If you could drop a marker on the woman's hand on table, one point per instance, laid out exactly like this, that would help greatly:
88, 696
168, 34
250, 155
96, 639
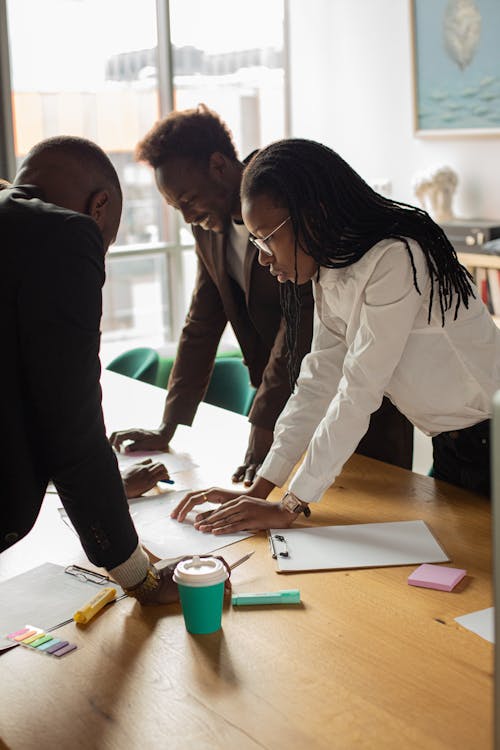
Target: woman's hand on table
244, 513
192, 499
238, 512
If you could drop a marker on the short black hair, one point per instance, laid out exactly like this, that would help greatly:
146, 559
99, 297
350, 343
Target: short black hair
81, 149
193, 134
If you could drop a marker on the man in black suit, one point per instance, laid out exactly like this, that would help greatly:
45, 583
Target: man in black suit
57, 221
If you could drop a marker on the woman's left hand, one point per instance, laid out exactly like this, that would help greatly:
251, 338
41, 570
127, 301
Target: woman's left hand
244, 514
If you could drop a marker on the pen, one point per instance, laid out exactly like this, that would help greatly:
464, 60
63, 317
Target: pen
242, 560
165, 481
92, 607
290, 596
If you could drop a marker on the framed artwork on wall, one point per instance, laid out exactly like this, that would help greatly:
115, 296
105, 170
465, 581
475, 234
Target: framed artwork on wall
456, 66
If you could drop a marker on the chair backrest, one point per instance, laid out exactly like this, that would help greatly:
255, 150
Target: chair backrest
165, 365
140, 363
230, 386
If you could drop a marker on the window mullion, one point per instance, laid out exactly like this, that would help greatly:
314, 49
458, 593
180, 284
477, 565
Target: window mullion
166, 94
7, 153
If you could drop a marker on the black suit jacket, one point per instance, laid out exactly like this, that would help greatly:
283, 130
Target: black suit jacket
52, 426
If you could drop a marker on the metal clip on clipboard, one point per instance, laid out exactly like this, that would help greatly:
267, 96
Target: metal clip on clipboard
282, 550
87, 575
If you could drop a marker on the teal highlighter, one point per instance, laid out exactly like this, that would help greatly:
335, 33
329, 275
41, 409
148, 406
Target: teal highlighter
290, 596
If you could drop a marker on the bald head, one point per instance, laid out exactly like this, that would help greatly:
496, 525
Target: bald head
75, 173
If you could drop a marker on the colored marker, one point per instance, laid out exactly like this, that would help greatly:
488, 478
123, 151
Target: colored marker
290, 596
91, 608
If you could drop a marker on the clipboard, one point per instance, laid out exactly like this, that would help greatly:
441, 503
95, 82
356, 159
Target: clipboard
366, 545
47, 595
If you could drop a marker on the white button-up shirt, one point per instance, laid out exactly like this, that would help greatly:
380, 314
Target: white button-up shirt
372, 337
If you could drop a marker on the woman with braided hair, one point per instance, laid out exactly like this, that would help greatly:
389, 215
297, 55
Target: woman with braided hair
396, 314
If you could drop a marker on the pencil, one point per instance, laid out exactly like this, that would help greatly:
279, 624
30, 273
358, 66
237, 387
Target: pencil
242, 560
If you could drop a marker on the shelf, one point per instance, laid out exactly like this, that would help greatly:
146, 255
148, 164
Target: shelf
479, 260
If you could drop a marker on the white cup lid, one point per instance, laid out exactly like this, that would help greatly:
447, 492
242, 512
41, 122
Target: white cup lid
200, 571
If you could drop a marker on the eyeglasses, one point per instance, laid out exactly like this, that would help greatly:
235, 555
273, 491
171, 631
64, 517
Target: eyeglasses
261, 243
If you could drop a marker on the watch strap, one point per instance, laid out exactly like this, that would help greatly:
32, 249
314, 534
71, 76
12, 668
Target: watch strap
150, 583
292, 503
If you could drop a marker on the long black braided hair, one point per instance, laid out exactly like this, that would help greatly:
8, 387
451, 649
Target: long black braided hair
338, 218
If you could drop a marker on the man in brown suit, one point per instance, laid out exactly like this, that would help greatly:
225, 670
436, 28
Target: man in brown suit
197, 171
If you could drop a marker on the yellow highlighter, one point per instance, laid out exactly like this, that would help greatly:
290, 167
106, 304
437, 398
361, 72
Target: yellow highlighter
91, 608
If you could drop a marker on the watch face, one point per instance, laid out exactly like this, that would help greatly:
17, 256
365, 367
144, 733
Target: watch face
294, 505
291, 503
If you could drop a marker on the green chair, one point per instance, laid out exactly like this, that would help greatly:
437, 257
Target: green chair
140, 364
230, 386
165, 365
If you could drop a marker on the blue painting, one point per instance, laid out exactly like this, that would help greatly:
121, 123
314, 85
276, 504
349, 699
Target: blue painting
457, 64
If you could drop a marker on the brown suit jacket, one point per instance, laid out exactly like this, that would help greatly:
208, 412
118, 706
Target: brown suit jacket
256, 319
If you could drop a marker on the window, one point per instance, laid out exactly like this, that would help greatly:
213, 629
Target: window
232, 59
106, 81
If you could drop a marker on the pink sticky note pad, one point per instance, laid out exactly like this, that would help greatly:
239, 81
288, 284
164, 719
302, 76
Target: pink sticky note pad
436, 577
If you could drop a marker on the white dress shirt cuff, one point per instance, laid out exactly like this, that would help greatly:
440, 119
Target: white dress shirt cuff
309, 488
276, 468
133, 571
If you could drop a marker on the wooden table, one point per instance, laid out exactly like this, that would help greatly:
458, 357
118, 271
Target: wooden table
365, 662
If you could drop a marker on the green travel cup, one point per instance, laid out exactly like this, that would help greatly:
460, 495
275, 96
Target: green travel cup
201, 590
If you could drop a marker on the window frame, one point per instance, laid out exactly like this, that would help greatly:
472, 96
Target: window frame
171, 251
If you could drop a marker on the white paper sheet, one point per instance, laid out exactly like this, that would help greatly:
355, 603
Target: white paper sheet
164, 536
480, 622
365, 545
174, 462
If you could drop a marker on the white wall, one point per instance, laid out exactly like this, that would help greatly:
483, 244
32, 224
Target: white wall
351, 88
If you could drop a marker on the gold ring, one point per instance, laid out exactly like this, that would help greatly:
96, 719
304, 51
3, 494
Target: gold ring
205, 498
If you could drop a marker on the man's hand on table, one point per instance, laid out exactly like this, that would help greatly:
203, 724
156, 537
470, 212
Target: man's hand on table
162, 591
165, 591
143, 476
259, 443
138, 439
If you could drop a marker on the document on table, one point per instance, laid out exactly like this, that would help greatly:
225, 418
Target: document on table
167, 538
174, 462
365, 545
480, 622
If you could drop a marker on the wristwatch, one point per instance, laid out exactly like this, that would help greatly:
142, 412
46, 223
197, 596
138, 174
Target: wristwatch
292, 504
143, 589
